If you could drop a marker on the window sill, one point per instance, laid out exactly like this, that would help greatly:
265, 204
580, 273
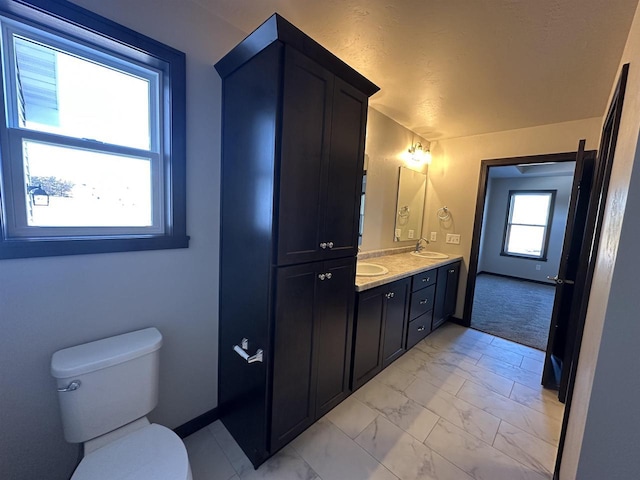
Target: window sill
64, 246
524, 257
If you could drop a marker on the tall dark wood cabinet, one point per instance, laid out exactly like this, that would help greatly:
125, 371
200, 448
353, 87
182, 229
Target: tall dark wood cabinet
293, 126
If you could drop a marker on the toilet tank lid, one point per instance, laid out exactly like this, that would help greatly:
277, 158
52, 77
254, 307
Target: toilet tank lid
92, 356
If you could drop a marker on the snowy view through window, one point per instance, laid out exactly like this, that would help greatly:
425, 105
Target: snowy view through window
63, 94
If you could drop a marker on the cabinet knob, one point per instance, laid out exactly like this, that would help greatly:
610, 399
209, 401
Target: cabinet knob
452, 270
323, 245
390, 295
328, 275
421, 328
426, 279
322, 276
422, 302
330, 244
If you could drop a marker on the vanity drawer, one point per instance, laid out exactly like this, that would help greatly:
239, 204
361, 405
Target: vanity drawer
421, 301
419, 328
424, 279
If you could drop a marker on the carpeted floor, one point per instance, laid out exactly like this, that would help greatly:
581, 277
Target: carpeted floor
517, 310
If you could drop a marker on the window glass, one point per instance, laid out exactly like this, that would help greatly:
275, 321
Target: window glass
527, 225
61, 93
87, 188
531, 209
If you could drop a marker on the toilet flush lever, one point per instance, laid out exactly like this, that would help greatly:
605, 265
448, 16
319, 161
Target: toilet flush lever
71, 387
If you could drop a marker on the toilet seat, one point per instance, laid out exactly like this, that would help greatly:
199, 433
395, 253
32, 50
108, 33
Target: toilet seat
151, 453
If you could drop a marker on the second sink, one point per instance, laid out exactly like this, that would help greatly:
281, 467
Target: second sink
433, 255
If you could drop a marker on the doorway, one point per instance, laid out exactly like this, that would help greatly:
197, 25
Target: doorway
525, 215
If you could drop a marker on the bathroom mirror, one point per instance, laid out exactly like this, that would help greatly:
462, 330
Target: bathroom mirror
412, 187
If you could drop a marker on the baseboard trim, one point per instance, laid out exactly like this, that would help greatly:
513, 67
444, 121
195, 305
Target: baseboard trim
192, 426
458, 321
540, 282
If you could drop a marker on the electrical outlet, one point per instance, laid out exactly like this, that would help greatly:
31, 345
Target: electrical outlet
433, 237
411, 233
453, 238
398, 233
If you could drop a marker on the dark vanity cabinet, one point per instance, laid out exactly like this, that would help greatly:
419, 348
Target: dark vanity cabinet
293, 126
380, 330
423, 289
446, 293
392, 318
312, 344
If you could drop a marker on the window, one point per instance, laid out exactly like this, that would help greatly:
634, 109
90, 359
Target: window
527, 226
92, 135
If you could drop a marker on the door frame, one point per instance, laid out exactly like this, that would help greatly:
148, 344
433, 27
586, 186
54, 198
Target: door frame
479, 214
597, 203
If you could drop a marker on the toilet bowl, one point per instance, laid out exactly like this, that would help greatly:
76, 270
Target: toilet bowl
105, 390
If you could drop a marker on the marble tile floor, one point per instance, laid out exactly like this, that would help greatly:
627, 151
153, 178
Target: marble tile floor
460, 405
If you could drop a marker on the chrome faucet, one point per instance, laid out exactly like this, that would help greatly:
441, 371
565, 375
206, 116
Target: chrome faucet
420, 247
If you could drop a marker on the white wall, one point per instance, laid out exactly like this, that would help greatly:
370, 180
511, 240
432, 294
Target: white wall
386, 151
496, 204
604, 426
50, 303
455, 170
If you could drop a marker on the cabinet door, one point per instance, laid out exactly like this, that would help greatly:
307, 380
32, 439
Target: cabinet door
367, 354
395, 321
305, 136
293, 407
344, 171
333, 338
446, 293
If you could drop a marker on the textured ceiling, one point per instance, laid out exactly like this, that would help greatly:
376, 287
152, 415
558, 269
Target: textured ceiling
451, 68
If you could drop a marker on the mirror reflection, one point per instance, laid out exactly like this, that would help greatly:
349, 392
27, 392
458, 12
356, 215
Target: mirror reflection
412, 187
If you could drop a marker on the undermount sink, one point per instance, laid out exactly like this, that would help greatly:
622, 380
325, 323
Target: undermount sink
370, 269
432, 255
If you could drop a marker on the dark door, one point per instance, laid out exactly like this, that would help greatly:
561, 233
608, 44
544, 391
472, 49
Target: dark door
293, 406
344, 170
395, 321
566, 287
306, 114
367, 354
446, 293
334, 319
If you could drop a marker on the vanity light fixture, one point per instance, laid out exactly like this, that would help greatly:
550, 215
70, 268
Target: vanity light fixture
419, 153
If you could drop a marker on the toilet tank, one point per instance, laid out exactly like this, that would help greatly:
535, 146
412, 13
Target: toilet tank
108, 383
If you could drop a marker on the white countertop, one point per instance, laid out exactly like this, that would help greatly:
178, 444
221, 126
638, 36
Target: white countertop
400, 265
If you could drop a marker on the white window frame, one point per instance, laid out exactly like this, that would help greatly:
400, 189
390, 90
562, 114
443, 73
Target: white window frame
546, 227
15, 204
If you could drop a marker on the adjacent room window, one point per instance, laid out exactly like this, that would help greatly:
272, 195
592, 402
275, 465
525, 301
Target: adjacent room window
528, 223
92, 136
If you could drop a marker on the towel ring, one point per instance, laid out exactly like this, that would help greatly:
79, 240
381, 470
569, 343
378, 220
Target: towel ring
443, 213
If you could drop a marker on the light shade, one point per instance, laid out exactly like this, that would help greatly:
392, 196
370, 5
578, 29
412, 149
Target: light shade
419, 153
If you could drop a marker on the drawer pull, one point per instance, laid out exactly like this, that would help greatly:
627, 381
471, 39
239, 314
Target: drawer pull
452, 271
426, 279
390, 295
421, 328
423, 302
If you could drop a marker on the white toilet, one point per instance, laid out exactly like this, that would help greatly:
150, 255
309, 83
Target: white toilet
106, 388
